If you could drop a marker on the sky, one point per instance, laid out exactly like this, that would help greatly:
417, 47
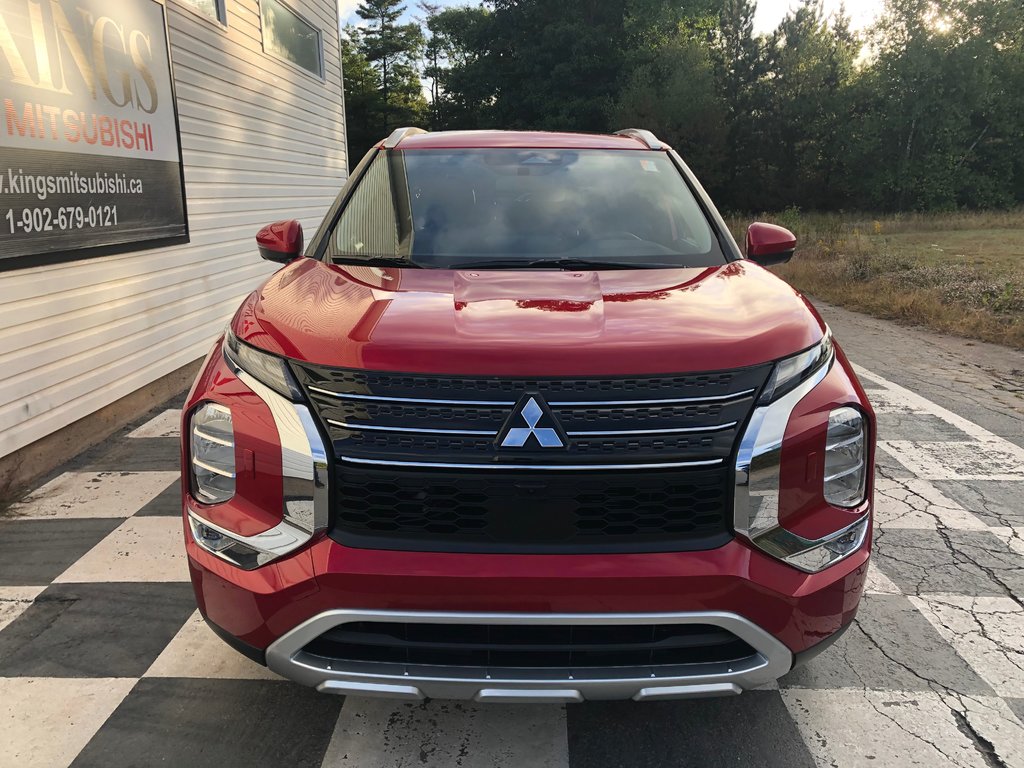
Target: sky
769, 12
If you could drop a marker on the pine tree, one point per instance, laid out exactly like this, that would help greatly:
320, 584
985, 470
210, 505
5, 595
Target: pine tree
395, 49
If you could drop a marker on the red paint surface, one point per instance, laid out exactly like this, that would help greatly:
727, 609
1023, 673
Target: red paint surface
768, 239
529, 323
280, 240
798, 608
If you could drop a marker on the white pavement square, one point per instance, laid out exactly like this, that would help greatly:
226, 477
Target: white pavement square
877, 583
197, 652
887, 729
988, 632
14, 601
45, 722
165, 424
377, 733
947, 460
140, 549
93, 494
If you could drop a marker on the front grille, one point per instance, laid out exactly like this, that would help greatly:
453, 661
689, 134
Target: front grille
644, 465
532, 512
497, 647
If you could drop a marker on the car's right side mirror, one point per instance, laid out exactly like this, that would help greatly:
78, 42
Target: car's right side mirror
769, 244
280, 241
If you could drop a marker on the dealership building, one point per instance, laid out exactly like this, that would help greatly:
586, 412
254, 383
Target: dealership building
143, 144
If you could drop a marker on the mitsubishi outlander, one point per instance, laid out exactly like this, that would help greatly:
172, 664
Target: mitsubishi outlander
523, 423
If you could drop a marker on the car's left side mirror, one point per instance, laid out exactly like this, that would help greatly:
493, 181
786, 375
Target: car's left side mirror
769, 244
280, 241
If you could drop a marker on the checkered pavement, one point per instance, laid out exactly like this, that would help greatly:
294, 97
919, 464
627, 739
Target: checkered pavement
104, 660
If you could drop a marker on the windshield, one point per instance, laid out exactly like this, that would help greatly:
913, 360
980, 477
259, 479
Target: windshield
536, 208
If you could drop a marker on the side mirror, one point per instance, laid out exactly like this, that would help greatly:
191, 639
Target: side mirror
280, 241
768, 244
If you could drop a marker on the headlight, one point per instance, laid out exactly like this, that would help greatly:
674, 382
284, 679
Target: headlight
212, 442
845, 458
271, 370
789, 372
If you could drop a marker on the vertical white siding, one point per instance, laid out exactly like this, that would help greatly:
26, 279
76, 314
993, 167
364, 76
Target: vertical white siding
261, 141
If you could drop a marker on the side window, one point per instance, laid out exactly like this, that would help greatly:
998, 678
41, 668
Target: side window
369, 225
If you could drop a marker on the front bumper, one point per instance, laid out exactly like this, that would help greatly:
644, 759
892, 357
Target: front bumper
771, 660
777, 610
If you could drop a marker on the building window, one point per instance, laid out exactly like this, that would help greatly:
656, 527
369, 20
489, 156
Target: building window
211, 8
289, 36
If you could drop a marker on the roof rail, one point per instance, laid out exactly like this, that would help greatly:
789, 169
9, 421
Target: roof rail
642, 134
400, 133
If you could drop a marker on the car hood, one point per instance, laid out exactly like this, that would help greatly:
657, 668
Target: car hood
528, 323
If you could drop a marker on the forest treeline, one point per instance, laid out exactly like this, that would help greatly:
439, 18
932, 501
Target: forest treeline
923, 111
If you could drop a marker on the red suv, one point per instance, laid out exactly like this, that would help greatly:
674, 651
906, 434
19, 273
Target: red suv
522, 423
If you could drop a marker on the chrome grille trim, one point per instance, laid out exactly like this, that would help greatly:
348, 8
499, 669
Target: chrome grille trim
553, 403
414, 430
533, 467
675, 431
420, 400
673, 401
493, 433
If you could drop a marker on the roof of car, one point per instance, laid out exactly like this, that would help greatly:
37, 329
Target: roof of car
518, 140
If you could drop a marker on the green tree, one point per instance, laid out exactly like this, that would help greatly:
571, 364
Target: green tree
464, 86
394, 50
740, 68
811, 61
364, 101
674, 94
940, 106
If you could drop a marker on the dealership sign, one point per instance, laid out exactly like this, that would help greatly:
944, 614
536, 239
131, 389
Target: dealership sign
89, 149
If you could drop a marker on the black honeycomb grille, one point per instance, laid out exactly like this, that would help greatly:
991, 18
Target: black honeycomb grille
533, 512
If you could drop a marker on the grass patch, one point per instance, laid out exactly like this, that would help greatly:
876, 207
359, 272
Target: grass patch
959, 273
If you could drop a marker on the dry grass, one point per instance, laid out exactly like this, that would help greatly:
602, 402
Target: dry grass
959, 273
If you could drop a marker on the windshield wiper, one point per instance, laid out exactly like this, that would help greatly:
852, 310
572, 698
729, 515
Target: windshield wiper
377, 261
558, 264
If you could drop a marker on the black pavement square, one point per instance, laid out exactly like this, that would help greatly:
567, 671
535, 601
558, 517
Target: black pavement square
35, 552
136, 454
869, 384
888, 466
167, 503
998, 502
754, 728
890, 647
215, 724
975, 563
94, 630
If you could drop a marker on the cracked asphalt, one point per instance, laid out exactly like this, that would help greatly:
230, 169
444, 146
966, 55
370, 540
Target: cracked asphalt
104, 661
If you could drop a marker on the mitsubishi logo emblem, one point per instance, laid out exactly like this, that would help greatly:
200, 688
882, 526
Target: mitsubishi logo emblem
531, 418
